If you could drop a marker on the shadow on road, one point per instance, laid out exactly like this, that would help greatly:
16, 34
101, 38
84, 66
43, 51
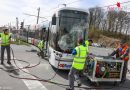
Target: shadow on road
62, 73
106, 85
96, 85
11, 69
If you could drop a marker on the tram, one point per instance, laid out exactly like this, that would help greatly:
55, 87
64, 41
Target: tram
67, 26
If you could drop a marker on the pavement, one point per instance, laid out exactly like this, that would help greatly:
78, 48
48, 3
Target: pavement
45, 71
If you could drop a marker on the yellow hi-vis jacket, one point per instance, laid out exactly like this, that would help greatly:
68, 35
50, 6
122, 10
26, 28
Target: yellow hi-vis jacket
5, 39
41, 44
87, 44
80, 57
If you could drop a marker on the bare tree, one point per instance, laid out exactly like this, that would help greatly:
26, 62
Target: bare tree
96, 15
122, 17
112, 20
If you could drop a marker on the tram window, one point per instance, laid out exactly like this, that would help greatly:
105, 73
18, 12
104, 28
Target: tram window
54, 20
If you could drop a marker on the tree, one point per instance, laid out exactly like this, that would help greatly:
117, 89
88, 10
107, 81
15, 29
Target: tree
112, 20
96, 15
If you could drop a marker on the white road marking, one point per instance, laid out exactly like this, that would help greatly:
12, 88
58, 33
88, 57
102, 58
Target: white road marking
31, 84
128, 65
128, 74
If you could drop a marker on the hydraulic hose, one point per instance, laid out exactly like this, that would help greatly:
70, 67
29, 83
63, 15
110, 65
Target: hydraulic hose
48, 80
18, 68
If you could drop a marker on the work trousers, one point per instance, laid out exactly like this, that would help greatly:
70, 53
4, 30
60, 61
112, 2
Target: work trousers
73, 75
8, 52
41, 52
124, 71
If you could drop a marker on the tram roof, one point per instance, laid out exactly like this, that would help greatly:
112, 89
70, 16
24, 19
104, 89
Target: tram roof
71, 8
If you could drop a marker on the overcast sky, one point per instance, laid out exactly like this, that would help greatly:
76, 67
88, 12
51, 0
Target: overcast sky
10, 9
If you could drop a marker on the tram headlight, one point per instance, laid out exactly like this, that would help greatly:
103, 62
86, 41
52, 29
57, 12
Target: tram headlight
60, 55
57, 54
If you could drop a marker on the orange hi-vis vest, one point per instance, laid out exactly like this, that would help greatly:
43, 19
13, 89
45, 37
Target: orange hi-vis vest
123, 52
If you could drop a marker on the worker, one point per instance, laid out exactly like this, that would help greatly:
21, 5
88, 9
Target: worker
41, 47
87, 44
80, 53
5, 44
122, 52
33, 41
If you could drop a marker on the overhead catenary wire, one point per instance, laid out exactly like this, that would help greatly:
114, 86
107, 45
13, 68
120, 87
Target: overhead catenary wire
69, 3
45, 17
92, 7
64, 3
116, 4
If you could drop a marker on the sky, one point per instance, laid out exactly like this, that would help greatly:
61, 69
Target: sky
10, 9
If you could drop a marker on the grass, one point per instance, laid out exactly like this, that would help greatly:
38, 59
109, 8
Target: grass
96, 34
19, 42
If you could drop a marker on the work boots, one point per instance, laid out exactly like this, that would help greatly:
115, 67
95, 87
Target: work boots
9, 62
79, 83
2, 63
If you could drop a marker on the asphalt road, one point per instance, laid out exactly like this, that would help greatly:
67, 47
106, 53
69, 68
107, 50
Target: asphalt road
45, 71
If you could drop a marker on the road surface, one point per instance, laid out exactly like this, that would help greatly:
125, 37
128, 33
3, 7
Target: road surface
44, 71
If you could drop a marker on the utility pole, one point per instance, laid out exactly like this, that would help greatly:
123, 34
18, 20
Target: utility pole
10, 27
38, 14
23, 23
28, 32
10, 24
17, 22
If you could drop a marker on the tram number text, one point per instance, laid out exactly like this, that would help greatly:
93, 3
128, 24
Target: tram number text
64, 66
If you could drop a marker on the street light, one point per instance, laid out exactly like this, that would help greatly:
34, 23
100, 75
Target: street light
38, 14
22, 24
28, 32
62, 4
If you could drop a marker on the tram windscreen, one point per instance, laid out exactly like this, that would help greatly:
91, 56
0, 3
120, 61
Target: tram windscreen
72, 26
